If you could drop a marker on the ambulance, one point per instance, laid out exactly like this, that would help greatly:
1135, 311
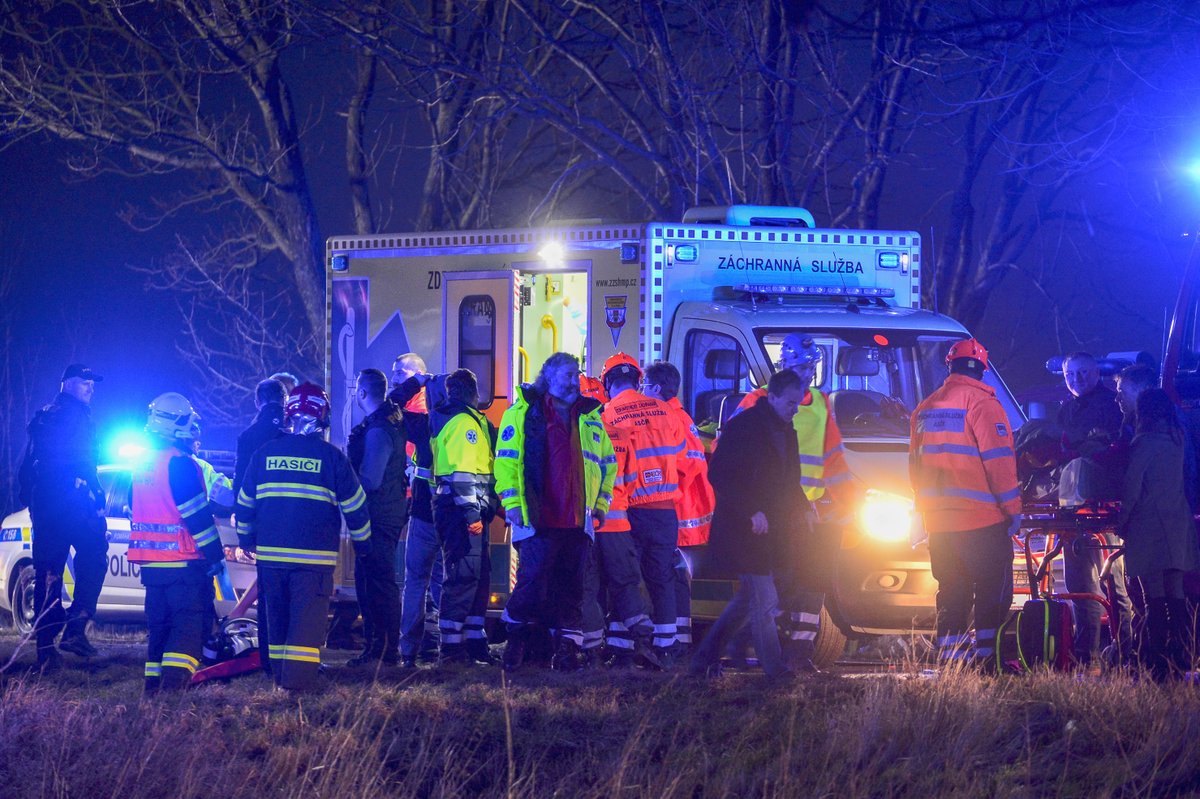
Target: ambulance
714, 294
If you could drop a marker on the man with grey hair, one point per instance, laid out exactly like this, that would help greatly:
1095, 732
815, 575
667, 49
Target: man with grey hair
554, 473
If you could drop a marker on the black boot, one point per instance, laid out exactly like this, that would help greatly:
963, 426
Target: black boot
566, 656
74, 639
480, 652
1158, 626
514, 650
1180, 647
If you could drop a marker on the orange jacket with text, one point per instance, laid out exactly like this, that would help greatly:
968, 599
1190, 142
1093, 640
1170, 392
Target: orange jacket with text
696, 499
835, 476
659, 441
617, 520
961, 459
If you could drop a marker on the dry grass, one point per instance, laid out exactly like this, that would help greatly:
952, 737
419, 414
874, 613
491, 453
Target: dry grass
86, 732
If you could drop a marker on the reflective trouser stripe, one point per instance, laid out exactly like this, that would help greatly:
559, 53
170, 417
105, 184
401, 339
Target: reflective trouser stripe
180, 660
683, 629
954, 647
451, 631
619, 636
664, 635
474, 627
303, 654
593, 639
153, 669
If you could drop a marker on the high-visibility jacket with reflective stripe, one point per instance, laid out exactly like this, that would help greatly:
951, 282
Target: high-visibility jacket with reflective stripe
462, 463
172, 522
696, 499
961, 460
617, 518
822, 456
512, 468
659, 442
296, 491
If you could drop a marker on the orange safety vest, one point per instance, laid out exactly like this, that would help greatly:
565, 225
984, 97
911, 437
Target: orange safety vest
696, 499
617, 520
157, 533
961, 459
659, 443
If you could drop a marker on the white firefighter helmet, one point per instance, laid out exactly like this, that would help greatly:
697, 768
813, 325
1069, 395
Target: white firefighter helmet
798, 349
173, 418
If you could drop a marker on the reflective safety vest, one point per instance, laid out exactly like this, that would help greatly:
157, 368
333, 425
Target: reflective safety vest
696, 502
961, 460
157, 533
511, 467
462, 460
809, 424
659, 441
617, 518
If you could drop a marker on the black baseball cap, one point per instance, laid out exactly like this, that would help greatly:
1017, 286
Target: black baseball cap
80, 371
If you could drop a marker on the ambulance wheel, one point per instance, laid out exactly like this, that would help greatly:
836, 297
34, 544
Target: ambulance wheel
22, 600
830, 644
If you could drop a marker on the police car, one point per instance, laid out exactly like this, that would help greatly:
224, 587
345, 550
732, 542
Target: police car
122, 600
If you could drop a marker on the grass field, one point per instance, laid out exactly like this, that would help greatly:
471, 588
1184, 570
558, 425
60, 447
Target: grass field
86, 732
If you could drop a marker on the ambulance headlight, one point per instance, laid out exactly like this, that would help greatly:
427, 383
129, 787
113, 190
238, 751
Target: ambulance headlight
886, 517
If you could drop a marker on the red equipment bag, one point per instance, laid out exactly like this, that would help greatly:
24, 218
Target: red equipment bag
245, 664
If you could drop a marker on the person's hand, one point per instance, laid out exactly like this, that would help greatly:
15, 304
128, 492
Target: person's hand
758, 523
598, 516
216, 569
513, 516
475, 528
1014, 525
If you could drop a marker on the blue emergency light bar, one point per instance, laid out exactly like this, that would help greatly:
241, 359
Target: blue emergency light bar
822, 291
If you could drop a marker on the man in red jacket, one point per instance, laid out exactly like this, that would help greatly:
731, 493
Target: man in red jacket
964, 475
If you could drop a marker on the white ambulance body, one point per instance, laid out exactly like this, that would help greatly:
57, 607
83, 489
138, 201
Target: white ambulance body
713, 295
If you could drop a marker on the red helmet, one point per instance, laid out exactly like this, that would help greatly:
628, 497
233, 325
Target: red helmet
308, 399
620, 365
591, 387
967, 348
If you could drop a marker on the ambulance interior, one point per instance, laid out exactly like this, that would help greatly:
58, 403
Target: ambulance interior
553, 318
873, 380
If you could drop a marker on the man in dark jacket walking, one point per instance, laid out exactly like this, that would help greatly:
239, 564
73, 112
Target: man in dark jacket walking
760, 511
66, 505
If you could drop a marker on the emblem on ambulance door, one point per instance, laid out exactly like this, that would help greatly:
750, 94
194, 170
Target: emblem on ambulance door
614, 313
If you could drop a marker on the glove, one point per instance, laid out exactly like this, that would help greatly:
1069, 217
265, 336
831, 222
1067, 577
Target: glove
475, 528
1014, 525
513, 516
216, 569
362, 548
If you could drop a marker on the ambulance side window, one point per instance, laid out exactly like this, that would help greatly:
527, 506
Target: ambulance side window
716, 368
477, 343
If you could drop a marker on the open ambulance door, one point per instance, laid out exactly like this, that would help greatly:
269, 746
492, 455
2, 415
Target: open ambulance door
477, 328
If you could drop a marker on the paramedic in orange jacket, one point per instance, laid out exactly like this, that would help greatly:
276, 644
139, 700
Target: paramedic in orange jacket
964, 475
696, 500
659, 464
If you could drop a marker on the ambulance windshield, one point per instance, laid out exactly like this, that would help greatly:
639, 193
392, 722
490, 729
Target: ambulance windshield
874, 379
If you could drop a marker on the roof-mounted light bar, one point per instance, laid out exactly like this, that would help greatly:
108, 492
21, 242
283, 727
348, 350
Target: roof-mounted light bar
821, 291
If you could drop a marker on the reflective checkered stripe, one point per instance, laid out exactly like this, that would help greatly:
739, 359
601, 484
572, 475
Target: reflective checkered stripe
451, 631
619, 636
593, 639
985, 643
683, 629
955, 647
474, 628
664, 635
153, 669
299, 654
179, 660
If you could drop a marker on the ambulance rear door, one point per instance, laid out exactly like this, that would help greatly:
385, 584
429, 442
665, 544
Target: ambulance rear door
477, 328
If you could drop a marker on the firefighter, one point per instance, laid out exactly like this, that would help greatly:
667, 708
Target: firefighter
378, 453
462, 511
659, 463
554, 474
174, 539
964, 476
296, 490
696, 501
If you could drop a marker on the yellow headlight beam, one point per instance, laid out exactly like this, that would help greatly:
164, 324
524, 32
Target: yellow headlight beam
886, 517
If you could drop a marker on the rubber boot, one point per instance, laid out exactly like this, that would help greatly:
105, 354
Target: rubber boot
644, 653
1180, 646
478, 651
1158, 626
514, 650
566, 656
